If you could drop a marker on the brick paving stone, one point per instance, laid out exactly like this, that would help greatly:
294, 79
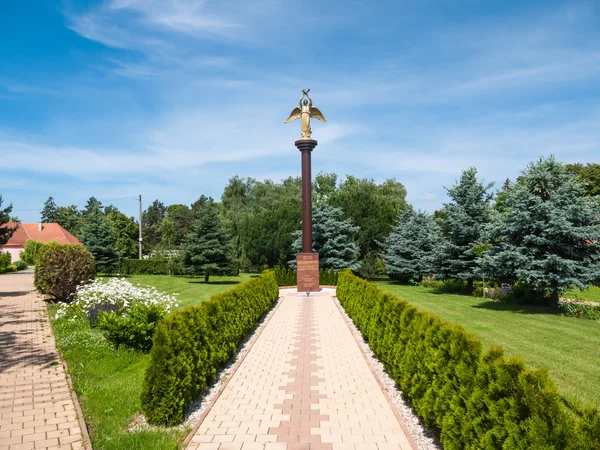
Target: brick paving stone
304, 385
36, 407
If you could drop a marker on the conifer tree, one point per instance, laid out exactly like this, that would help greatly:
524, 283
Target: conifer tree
466, 216
98, 238
333, 239
50, 212
5, 232
550, 236
206, 249
410, 246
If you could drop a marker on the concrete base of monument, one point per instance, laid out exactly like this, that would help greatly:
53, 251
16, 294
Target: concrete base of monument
307, 265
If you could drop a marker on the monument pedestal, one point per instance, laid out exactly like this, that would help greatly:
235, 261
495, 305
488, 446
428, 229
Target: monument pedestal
307, 265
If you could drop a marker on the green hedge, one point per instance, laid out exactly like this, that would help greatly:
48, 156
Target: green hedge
190, 346
288, 277
154, 266
470, 398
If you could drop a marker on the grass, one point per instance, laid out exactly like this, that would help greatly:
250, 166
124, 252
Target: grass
591, 294
567, 346
190, 291
108, 381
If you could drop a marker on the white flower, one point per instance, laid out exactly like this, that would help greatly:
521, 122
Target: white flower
117, 292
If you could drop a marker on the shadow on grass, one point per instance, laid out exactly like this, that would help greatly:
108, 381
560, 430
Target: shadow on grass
216, 283
516, 308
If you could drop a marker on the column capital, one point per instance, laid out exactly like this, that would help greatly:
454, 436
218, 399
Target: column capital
305, 144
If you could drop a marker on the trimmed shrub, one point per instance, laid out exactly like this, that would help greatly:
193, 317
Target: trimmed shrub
285, 276
11, 268
4, 262
328, 277
288, 277
190, 346
31, 250
21, 265
155, 266
60, 268
471, 399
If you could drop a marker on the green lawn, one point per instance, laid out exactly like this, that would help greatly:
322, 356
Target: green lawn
108, 381
591, 294
191, 291
568, 346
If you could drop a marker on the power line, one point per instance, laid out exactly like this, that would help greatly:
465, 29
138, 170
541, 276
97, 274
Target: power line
79, 206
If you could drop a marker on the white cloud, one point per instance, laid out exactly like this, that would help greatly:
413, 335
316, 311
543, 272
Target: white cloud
428, 197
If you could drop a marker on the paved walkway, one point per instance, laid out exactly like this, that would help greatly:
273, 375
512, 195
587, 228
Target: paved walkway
36, 408
304, 385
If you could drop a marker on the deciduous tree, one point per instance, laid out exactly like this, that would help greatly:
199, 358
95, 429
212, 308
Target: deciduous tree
125, 231
151, 219
373, 207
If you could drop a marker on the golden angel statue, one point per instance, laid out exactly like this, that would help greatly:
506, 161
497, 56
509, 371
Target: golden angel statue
305, 112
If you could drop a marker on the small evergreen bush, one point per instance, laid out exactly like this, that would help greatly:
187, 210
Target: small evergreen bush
190, 346
11, 268
285, 276
21, 265
471, 399
288, 277
60, 268
328, 277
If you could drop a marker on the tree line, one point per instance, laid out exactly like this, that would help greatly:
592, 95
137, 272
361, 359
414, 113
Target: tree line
530, 231
540, 234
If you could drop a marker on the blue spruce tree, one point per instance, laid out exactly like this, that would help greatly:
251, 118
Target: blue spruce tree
410, 247
550, 236
333, 239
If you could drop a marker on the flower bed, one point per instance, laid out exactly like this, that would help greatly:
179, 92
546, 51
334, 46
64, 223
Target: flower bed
128, 313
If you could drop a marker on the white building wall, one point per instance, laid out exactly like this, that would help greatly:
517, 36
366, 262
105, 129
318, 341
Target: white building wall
15, 252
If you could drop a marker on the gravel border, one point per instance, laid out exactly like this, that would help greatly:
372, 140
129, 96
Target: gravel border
423, 436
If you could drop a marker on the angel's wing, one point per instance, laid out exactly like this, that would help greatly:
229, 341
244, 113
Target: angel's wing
314, 112
295, 114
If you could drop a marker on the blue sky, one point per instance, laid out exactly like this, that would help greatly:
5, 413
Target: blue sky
171, 98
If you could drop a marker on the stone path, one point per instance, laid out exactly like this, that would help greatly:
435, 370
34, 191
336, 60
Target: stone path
304, 385
36, 408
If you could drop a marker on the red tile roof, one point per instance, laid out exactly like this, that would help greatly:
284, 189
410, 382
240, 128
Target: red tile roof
50, 232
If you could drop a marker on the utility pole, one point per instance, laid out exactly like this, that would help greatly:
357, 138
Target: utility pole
140, 226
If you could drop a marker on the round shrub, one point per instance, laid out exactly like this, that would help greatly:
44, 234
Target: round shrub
61, 268
21, 265
11, 268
